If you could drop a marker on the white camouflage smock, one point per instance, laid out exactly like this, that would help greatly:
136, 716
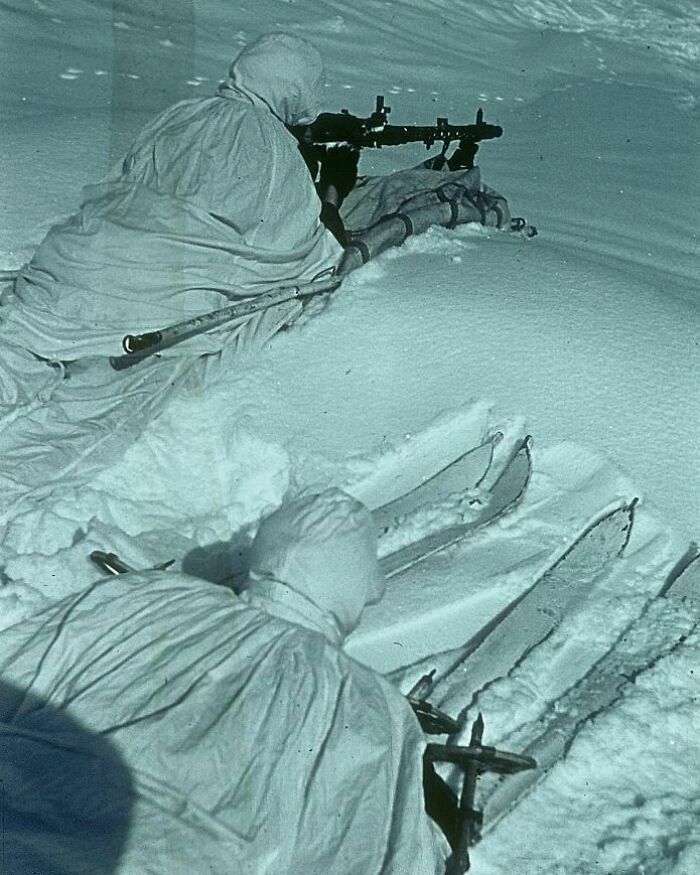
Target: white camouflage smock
160, 724
213, 202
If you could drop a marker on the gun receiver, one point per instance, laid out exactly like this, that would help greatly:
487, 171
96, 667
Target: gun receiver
375, 130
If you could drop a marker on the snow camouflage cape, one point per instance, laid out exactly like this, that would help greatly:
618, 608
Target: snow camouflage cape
178, 728
197, 214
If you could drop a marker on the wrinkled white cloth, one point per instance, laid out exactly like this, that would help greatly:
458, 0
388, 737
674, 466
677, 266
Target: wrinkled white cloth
213, 202
252, 743
409, 191
69, 424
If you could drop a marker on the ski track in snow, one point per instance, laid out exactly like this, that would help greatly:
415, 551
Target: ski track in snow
590, 331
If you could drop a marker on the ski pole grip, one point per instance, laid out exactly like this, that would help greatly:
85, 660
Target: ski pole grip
140, 342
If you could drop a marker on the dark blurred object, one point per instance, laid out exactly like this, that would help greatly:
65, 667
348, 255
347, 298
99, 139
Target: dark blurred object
339, 170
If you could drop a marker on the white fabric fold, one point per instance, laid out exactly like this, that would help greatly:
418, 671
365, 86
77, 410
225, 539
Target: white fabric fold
222, 738
213, 202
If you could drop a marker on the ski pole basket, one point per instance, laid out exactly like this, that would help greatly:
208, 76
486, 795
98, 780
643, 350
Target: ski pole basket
474, 760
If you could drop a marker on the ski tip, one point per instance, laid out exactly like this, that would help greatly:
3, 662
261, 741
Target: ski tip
612, 528
519, 463
683, 579
526, 450
525, 453
630, 509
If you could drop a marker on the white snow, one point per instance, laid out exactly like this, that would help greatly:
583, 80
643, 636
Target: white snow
589, 331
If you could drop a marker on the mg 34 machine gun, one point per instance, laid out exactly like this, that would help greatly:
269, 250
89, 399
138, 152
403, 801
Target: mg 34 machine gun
375, 132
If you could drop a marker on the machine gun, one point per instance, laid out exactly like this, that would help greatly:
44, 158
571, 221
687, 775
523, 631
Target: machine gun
375, 131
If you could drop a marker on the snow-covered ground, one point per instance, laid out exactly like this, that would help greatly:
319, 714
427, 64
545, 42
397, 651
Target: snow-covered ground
589, 331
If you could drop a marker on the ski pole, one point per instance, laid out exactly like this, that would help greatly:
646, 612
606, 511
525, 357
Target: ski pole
474, 760
138, 346
469, 817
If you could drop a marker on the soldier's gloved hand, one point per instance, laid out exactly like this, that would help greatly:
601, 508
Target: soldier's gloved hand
338, 172
463, 156
311, 155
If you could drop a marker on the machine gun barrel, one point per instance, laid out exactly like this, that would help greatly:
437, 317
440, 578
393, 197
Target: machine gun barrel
396, 135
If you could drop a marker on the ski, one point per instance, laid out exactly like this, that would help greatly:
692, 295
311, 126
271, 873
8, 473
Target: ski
529, 619
643, 642
465, 474
476, 487
487, 499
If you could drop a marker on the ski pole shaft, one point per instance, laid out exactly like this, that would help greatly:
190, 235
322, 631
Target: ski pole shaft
459, 862
154, 341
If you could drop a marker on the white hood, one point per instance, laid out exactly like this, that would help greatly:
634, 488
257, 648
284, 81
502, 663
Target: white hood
282, 71
324, 548
213, 202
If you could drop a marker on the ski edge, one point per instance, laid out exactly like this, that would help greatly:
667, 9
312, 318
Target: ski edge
506, 797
